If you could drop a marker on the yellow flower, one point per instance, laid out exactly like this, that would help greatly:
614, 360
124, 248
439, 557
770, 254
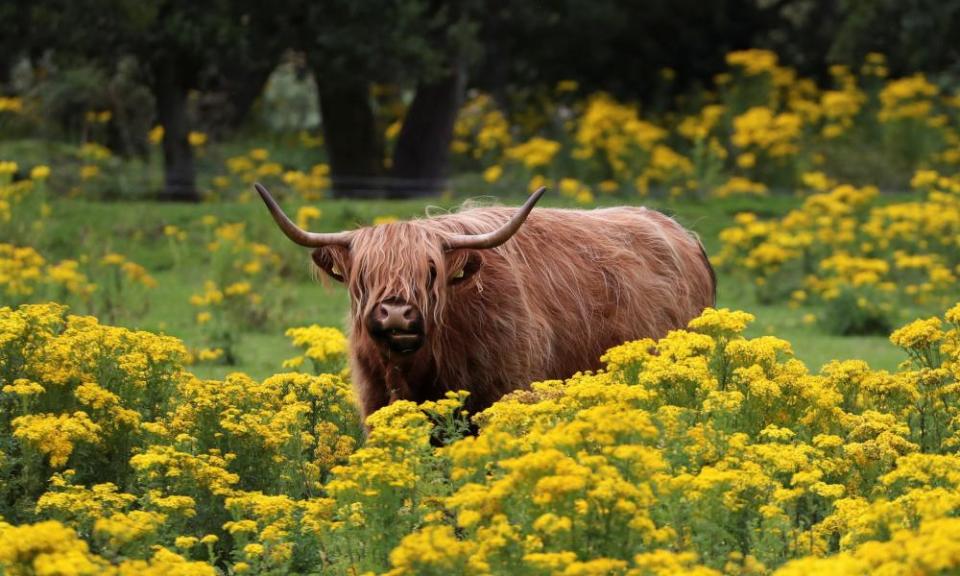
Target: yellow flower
12, 105
307, 213
185, 542
753, 61
550, 523
919, 334
737, 185
155, 135
196, 139
209, 354
721, 323
123, 529
817, 181
238, 289
47, 548
89, 171
536, 183
321, 344
56, 435
393, 130
492, 174
924, 178
23, 387
40, 172
386, 219
535, 153
434, 549
253, 550
609, 186
746, 160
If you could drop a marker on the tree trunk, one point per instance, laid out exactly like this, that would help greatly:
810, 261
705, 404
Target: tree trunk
353, 143
171, 90
6, 70
423, 146
243, 87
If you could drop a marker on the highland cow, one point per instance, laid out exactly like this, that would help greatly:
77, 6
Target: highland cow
490, 299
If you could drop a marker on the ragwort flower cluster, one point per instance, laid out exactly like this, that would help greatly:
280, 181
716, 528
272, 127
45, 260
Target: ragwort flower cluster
703, 452
848, 250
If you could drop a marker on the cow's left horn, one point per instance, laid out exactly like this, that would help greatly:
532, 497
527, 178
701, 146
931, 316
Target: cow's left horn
500, 235
298, 234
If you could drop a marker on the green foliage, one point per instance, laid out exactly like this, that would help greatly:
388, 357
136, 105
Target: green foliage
924, 32
856, 312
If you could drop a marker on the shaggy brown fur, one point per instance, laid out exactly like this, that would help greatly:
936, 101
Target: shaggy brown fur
546, 304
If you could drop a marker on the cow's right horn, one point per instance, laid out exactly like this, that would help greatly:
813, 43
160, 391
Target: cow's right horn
297, 234
500, 235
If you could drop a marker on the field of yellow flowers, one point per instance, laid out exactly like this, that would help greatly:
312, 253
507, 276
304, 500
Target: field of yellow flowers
125, 449
856, 255
704, 452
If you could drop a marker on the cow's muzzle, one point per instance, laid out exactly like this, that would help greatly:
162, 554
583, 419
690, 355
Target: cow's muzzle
397, 326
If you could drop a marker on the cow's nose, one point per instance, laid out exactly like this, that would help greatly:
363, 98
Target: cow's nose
395, 316
397, 325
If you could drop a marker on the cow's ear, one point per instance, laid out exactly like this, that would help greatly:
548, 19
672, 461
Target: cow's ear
332, 260
465, 268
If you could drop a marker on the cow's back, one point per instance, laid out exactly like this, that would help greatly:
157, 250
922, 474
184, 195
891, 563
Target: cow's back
582, 281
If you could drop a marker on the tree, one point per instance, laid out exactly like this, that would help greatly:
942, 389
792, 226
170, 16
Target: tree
423, 146
352, 45
924, 33
178, 43
617, 46
15, 36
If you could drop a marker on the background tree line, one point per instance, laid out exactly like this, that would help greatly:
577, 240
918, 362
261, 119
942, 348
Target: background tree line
147, 58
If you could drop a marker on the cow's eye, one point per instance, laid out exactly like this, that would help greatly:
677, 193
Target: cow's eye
324, 260
465, 270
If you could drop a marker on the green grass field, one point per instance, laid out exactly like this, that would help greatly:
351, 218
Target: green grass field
136, 229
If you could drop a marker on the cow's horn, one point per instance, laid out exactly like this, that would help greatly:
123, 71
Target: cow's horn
297, 234
500, 235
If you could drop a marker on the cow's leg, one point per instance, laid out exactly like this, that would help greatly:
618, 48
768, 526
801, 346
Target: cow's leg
370, 391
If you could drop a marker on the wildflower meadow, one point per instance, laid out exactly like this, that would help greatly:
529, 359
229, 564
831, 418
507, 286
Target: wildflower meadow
175, 396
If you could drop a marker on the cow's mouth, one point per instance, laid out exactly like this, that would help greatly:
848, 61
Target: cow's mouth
403, 341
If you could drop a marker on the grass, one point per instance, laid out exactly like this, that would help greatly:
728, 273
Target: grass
136, 230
